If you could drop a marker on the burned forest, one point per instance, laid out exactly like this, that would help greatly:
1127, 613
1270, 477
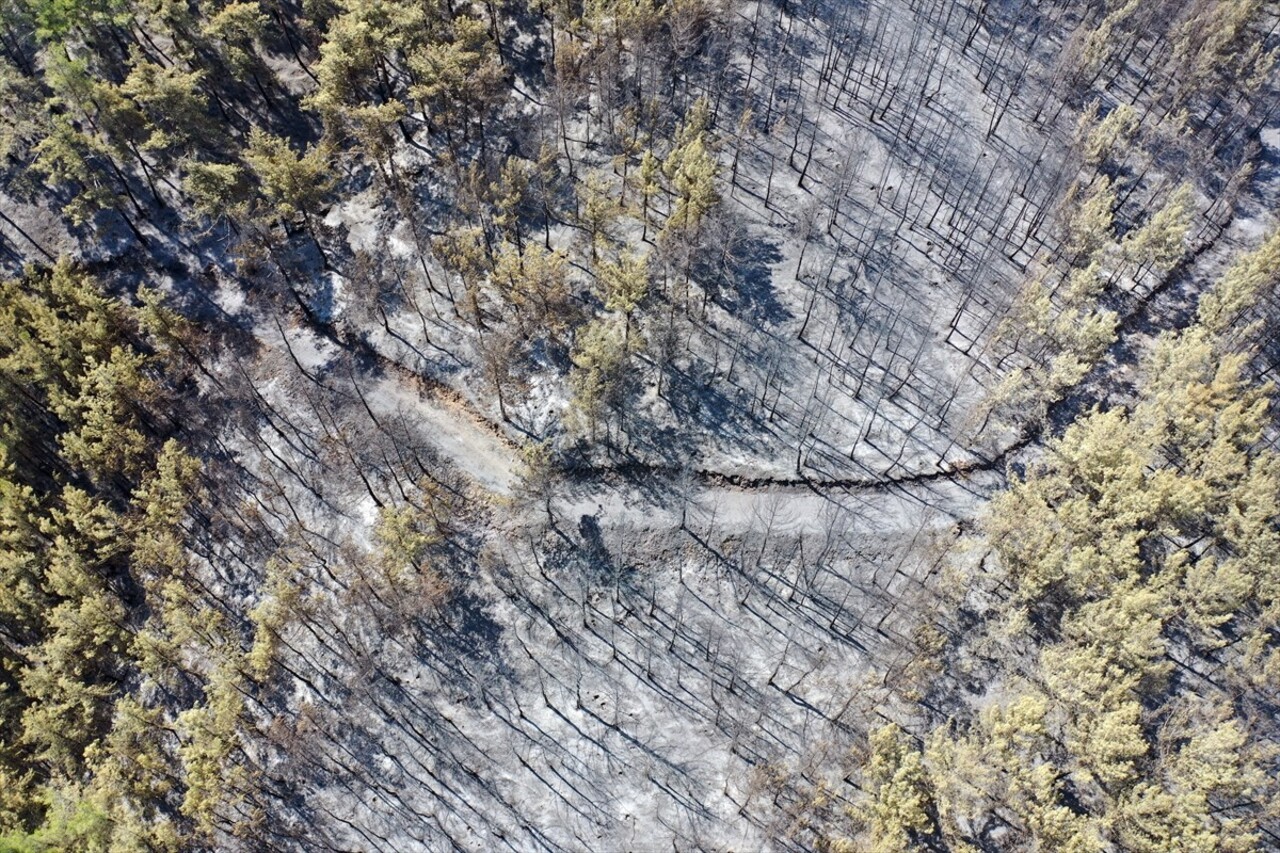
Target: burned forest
639, 425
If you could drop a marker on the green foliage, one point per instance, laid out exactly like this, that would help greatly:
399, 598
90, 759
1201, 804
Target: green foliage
693, 172
238, 26
598, 212
22, 119
599, 363
292, 183
357, 95
77, 825
217, 189
55, 19
211, 737
1159, 244
1219, 41
56, 325
1109, 136
106, 435
174, 109
281, 599
1241, 286
459, 76
535, 283
92, 505
69, 156
512, 194
1064, 334
646, 179
900, 800
404, 561
626, 283
1139, 537
463, 250
162, 500
1090, 223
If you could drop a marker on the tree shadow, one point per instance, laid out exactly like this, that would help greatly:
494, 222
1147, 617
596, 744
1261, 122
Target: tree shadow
743, 280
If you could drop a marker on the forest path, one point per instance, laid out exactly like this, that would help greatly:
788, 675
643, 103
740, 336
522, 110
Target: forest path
628, 493
731, 512
460, 436
654, 498
627, 496
647, 496
389, 390
385, 389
